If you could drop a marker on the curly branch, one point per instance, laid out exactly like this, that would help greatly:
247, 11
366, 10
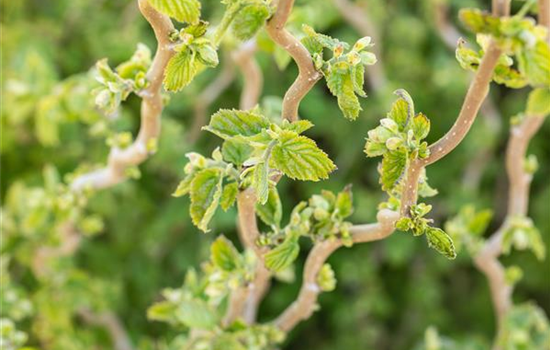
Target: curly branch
151, 108
304, 306
361, 21
308, 75
475, 96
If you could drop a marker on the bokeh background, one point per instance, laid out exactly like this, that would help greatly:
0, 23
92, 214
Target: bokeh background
388, 292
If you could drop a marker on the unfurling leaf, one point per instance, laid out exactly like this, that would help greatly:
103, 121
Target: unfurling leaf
224, 254
227, 123
420, 126
271, 212
180, 71
392, 168
229, 195
342, 84
440, 241
206, 191
478, 21
188, 11
283, 255
344, 202
183, 187
298, 157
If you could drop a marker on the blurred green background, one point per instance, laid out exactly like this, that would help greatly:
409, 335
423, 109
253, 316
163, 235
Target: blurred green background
388, 292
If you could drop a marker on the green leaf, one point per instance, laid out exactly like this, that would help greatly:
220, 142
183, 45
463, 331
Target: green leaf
271, 212
344, 202
183, 187
420, 126
538, 103
207, 55
440, 241
399, 113
162, 311
341, 84
393, 167
298, 157
224, 254
478, 21
249, 20
180, 71
283, 255
188, 11
359, 79
229, 195
196, 313
298, 126
534, 63
260, 181
326, 279
227, 123
236, 152
206, 191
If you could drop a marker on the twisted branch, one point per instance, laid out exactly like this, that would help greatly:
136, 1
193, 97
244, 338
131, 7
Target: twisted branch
308, 75
304, 306
151, 108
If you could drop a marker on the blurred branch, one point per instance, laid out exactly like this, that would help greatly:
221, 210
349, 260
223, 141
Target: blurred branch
304, 306
251, 72
112, 324
208, 96
151, 108
450, 35
518, 199
359, 18
544, 15
307, 76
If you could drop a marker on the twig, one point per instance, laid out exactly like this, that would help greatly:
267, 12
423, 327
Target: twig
151, 108
304, 306
544, 15
477, 92
361, 21
307, 76
450, 36
111, 323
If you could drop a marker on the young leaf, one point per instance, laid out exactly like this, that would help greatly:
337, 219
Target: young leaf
229, 195
538, 103
283, 255
260, 181
227, 123
180, 71
344, 202
236, 152
224, 254
534, 63
298, 157
206, 191
420, 126
249, 20
399, 113
342, 84
393, 166
184, 187
188, 11
440, 241
271, 212
478, 21
298, 126
196, 313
